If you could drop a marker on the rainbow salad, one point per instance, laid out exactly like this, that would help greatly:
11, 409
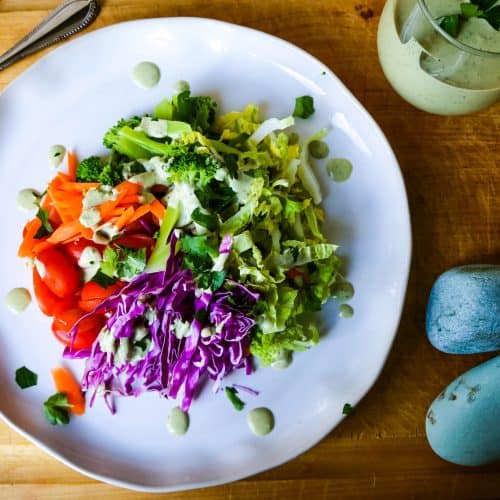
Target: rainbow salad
191, 250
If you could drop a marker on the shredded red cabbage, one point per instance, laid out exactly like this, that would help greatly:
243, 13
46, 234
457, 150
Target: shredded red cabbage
217, 343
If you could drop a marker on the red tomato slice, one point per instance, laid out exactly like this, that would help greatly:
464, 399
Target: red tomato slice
75, 248
88, 329
93, 294
60, 274
49, 303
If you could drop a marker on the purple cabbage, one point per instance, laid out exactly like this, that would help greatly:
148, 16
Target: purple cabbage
171, 365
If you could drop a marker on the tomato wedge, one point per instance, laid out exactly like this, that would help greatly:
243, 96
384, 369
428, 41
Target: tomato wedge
88, 329
93, 294
60, 274
50, 304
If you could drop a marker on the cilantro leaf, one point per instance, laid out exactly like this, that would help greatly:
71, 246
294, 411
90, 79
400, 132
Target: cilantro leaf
212, 280
46, 227
198, 252
493, 17
103, 279
231, 394
131, 262
56, 409
348, 409
215, 196
218, 278
208, 221
304, 106
469, 9
483, 4
109, 262
26, 378
450, 24
202, 316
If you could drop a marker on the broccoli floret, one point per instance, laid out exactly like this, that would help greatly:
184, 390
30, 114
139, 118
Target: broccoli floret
193, 168
93, 169
111, 175
135, 144
89, 170
198, 111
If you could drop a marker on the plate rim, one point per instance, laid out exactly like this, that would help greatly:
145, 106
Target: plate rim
406, 264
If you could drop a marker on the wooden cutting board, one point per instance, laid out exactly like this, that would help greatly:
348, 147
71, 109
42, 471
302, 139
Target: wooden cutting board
452, 171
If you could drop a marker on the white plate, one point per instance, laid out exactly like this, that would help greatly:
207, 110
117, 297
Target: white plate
71, 97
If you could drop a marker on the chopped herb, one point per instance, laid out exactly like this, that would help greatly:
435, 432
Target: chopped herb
103, 279
493, 17
218, 278
109, 262
484, 4
26, 378
231, 394
56, 409
348, 409
209, 221
212, 280
198, 252
231, 161
202, 316
469, 9
450, 24
260, 307
46, 227
304, 106
215, 196
120, 262
131, 262
57, 153
483, 9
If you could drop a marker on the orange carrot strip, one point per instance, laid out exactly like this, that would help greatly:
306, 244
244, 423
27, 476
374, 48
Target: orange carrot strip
66, 383
41, 246
140, 212
66, 231
29, 241
128, 187
78, 186
130, 199
158, 210
72, 164
106, 208
124, 218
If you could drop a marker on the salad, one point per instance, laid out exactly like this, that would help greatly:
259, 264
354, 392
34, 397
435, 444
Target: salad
193, 249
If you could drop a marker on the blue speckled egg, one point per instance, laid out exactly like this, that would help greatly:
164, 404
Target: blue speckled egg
463, 422
463, 314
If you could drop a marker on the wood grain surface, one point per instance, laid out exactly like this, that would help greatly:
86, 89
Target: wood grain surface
451, 168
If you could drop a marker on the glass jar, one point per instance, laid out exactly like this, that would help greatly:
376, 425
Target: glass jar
431, 69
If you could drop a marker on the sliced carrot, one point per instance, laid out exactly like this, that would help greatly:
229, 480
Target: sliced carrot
130, 199
72, 164
66, 231
41, 246
158, 210
66, 383
140, 212
29, 241
78, 186
123, 220
128, 187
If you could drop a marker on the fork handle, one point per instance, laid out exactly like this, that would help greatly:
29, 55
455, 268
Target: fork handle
69, 18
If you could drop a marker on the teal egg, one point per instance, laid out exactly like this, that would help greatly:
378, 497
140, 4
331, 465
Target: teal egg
463, 422
463, 313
